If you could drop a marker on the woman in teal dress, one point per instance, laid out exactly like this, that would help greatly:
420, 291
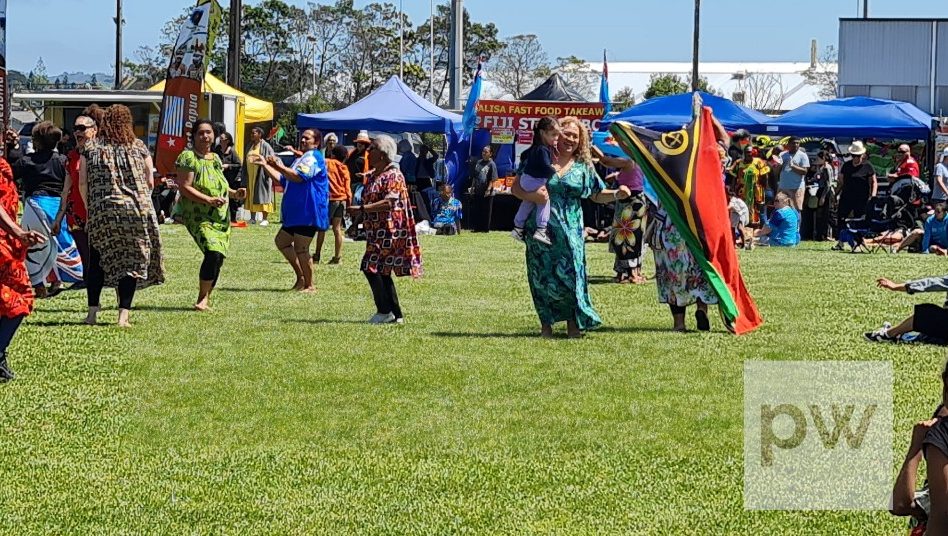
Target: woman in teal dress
557, 273
204, 208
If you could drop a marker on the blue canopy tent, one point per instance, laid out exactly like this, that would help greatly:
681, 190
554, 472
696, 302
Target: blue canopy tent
863, 117
394, 107
669, 113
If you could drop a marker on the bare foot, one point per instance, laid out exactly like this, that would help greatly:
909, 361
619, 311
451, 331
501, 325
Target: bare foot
124, 324
299, 284
308, 290
123, 319
92, 316
546, 332
575, 334
202, 306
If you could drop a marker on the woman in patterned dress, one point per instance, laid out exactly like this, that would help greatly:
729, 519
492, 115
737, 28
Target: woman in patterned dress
628, 225
204, 206
557, 273
391, 246
115, 177
16, 293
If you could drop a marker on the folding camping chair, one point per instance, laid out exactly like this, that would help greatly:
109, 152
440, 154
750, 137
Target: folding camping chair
885, 215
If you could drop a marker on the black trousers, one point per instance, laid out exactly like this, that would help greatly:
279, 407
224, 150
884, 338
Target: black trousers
480, 212
847, 204
211, 267
383, 290
95, 281
234, 204
8, 327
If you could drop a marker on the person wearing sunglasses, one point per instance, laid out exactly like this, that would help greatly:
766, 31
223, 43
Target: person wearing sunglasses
72, 209
908, 166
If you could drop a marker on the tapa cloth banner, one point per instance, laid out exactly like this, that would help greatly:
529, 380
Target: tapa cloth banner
520, 116
4, 92
184, 84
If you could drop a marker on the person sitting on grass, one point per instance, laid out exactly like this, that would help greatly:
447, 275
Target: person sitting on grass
447, 211
934, 235
929, 320
927, 506
782, 228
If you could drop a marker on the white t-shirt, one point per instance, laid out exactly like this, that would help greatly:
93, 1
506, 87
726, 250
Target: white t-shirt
739, 213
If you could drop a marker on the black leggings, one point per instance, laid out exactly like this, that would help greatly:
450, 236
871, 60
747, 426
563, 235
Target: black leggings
211, 267
8, 327
383, 290
95, 281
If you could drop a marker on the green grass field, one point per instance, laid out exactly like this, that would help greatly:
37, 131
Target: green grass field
284, 413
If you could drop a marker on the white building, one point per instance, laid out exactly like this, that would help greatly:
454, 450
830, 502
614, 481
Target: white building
771, 87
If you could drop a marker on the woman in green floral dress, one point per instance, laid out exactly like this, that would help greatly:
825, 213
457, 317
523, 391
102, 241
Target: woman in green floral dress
557, 273
204, 207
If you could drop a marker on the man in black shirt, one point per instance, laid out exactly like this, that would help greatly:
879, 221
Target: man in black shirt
11, 146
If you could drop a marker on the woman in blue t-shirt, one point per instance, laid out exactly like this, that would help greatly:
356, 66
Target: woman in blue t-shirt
305, 208
783, 227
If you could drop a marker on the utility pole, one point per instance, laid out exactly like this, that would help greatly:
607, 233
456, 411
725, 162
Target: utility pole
118, 44
457, 52
431, 64
233, 45
694, 53
865, 9
401, 42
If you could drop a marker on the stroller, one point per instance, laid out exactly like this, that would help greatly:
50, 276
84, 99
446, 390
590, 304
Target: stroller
885, 215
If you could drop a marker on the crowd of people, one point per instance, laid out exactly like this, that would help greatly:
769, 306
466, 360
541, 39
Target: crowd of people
98, 206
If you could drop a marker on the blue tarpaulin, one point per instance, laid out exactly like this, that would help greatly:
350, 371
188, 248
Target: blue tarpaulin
394, 107
669, 113
863, 117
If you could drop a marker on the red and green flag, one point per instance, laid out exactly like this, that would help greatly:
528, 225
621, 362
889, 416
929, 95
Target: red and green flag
684, 168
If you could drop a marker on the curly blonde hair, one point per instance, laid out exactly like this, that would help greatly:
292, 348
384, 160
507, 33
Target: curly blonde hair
581, 153
117, 126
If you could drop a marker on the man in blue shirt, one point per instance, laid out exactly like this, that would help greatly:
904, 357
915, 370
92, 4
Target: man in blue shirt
782, 228
934, 235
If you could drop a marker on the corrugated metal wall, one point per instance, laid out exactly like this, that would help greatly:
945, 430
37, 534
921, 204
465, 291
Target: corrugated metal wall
884, 53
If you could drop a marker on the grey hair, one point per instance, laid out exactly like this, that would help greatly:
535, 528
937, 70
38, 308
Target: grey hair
330, 137
387, 147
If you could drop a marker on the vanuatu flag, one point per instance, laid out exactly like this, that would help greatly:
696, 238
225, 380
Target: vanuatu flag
684, 168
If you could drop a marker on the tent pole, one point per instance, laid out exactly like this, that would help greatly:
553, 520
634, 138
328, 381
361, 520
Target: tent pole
694, 55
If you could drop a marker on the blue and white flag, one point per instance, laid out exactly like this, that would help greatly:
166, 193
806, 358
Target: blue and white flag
469, 121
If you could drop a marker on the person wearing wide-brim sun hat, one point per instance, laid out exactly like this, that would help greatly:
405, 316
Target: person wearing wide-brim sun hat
857, 184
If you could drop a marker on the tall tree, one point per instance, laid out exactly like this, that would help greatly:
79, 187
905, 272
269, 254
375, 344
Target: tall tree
660, 85
579, 76
40, 78
623, 99
480, 41
519, 65
825, 73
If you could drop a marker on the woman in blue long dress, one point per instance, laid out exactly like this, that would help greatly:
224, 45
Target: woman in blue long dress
557, 273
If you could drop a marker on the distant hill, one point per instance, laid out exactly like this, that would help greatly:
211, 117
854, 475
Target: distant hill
84, 78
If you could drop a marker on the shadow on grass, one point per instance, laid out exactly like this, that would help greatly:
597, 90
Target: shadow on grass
164, 308
319, 321
518, 335
241, 289
51, 324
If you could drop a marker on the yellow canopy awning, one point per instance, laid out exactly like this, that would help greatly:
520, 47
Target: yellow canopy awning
255, 110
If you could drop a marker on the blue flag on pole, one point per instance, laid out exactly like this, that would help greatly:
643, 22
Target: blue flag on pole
469, 121
604, 87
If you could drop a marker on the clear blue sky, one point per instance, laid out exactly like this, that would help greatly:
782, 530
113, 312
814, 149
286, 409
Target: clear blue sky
632, 30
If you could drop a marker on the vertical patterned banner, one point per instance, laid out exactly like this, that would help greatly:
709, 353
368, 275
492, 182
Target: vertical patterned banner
184, 84
4, 90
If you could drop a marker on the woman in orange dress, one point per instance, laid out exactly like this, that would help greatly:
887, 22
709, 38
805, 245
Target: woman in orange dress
16, 293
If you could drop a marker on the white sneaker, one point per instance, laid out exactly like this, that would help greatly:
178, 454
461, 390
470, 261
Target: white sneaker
400, 321
382, 319
541, 237
517, 234
264, 223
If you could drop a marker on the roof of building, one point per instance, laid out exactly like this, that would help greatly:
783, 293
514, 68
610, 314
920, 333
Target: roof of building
783, 82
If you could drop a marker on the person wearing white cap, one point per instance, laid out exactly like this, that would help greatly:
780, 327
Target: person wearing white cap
857, 184
940, 190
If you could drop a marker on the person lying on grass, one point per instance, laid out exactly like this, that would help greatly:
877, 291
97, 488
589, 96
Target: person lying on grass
928, 320
928, 506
